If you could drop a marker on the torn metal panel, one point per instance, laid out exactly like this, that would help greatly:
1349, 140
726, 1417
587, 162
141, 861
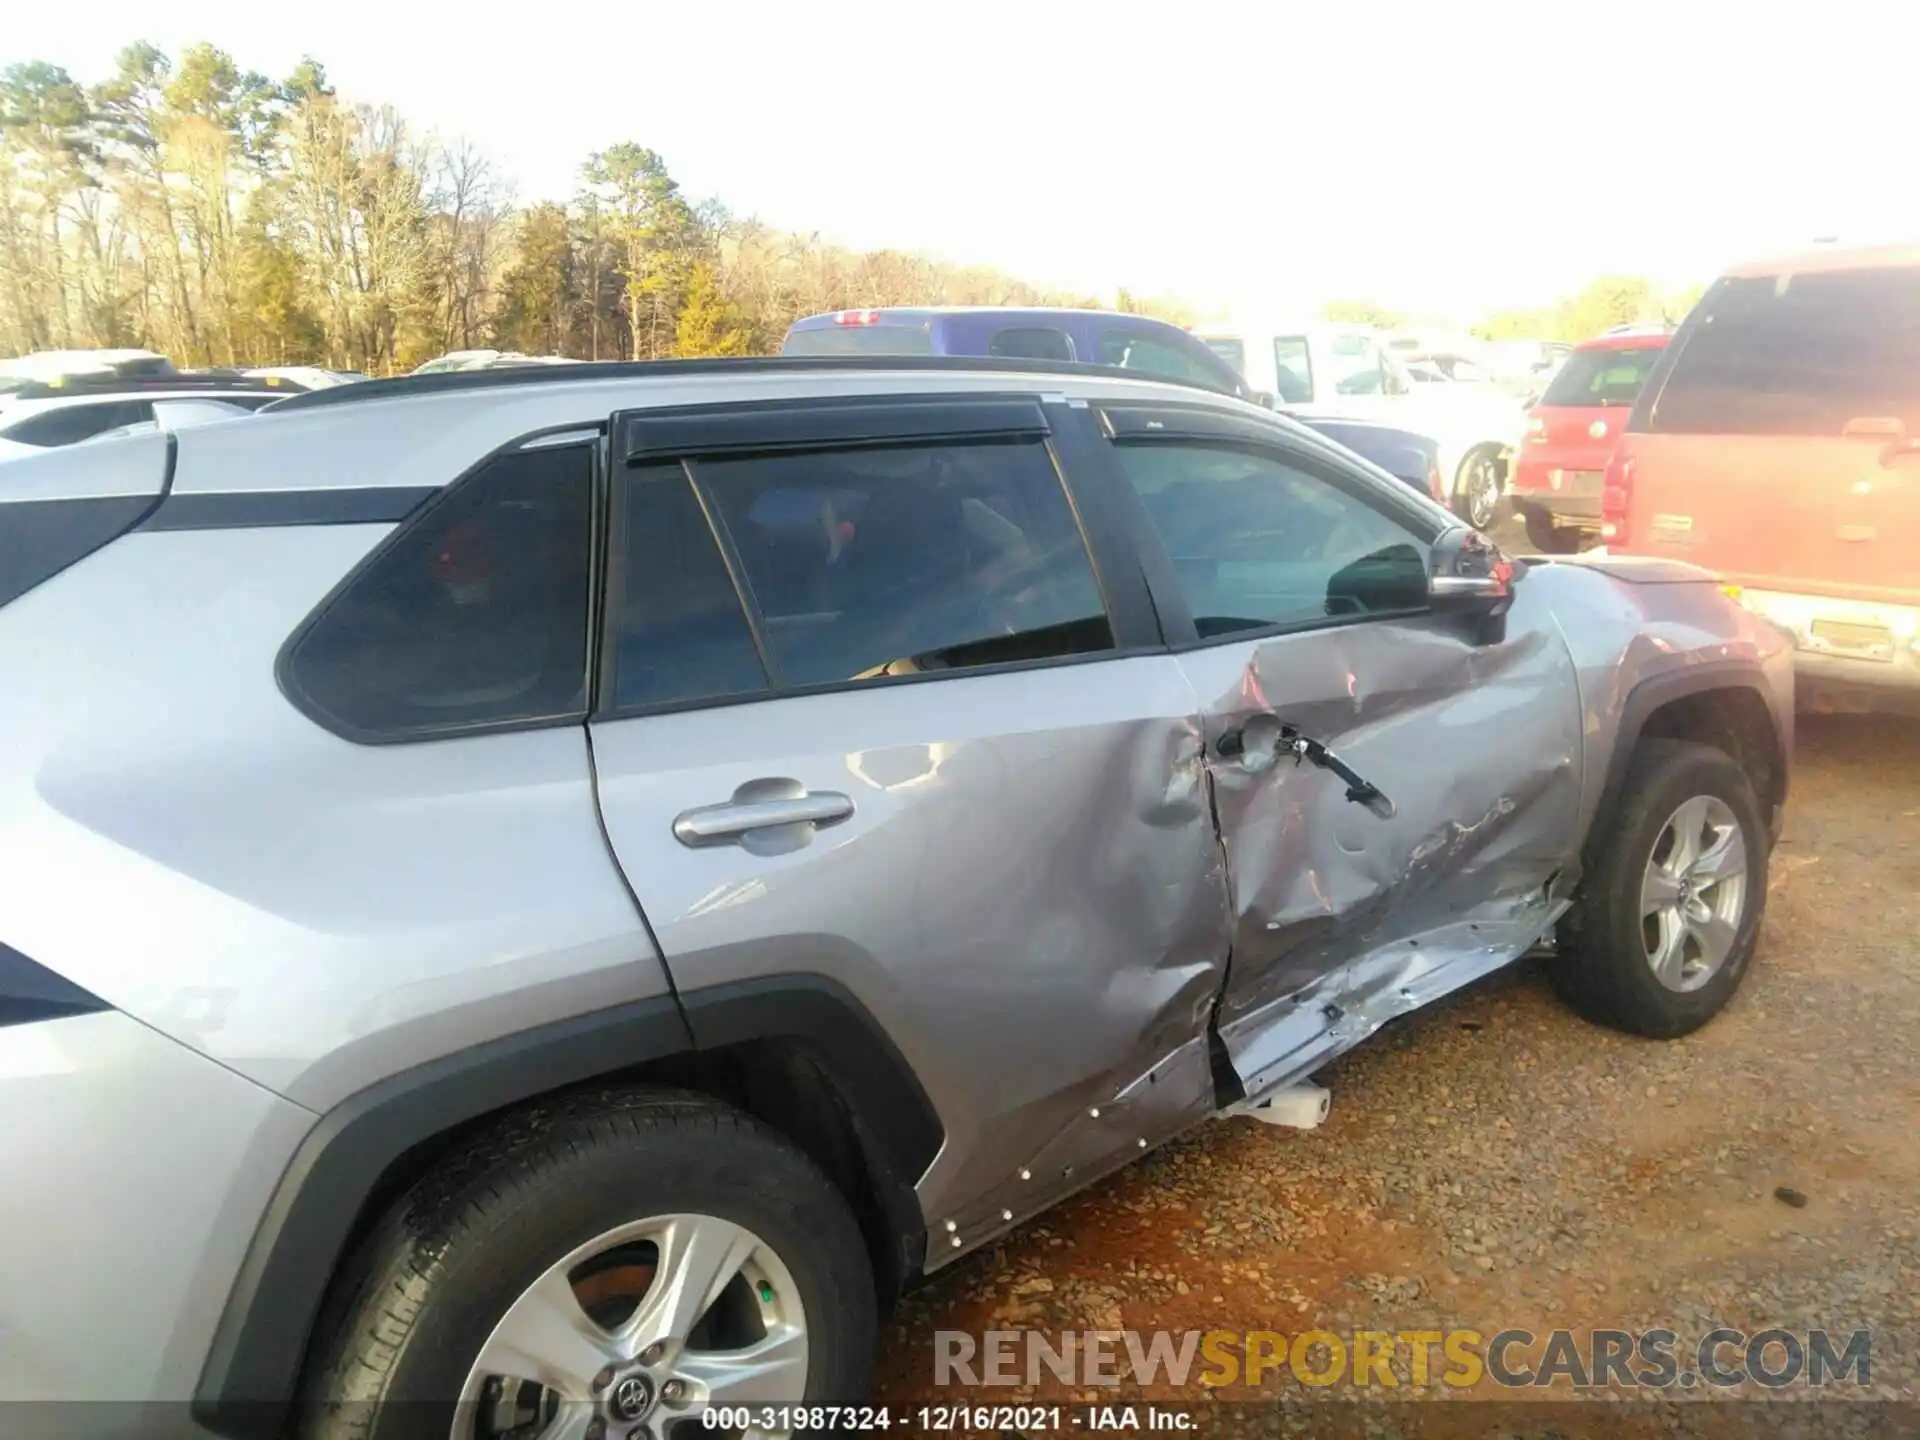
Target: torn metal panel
1296, 1034
1478, 749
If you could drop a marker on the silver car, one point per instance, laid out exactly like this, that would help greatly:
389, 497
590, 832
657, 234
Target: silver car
533, 902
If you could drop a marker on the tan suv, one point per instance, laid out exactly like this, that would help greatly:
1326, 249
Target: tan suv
1778, 442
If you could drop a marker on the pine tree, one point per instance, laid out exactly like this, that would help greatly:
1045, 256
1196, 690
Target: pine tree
710, 323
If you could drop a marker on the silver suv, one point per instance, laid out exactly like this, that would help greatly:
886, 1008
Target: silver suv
551, 894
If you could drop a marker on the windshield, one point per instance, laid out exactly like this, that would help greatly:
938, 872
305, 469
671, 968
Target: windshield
1601, 377
860, 340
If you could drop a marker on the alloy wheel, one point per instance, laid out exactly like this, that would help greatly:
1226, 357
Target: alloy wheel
636, 1333
1481, 491
1693, 896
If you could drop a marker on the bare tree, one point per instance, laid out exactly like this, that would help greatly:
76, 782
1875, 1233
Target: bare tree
469, 208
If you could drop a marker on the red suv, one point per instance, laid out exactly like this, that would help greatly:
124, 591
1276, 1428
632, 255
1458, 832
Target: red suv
1571, 434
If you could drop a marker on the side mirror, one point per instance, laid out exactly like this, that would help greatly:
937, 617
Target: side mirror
1469, 576
1264, 398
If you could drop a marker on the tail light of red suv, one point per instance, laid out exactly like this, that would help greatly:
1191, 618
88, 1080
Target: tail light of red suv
1616, 498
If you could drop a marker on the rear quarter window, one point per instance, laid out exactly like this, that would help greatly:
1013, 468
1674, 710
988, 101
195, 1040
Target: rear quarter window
1234, 352
1152, 355
473, 614
860, 340
1031, 342
1796, 355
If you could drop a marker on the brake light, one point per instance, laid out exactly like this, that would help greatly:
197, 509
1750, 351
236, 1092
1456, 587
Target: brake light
858, 317
1616, 498
1436, 485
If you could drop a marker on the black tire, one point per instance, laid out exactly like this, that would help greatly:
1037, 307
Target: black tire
423, 1293
1547, 537
1602, 970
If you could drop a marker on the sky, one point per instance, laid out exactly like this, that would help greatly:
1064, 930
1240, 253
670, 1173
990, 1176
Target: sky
1444, 159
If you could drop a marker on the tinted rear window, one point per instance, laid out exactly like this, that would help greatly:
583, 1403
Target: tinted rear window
860, 340
1031, 342
1132, 350
1797, 355
1234, 352
1601, 377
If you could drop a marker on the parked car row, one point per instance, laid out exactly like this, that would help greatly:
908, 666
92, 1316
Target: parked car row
1321, 374
1774, 437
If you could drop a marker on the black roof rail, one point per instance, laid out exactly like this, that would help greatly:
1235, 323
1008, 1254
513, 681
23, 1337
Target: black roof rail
453, 381
151, 385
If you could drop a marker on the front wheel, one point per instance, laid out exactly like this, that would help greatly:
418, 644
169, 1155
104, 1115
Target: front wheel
1668, 916
1476, 490
611, 1268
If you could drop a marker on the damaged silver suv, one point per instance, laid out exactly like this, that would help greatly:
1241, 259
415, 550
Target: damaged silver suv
534, 901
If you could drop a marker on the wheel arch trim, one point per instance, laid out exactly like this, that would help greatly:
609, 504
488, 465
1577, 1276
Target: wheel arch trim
249, 1380
1657, 691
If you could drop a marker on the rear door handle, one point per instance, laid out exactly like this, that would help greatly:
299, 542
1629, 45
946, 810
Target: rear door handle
766, 817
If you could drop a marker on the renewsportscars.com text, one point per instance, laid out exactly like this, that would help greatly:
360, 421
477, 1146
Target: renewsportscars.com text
1458, 1359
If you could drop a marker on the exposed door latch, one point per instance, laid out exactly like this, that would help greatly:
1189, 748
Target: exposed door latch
1359, 791
1264, 738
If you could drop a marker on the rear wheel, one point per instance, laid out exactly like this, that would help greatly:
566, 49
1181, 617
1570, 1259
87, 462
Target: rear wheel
611, 1270
1667, 919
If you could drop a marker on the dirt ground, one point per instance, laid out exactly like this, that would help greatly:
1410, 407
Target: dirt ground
1493, 1162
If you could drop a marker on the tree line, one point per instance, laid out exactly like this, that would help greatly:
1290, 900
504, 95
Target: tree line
1600, 305
221, 217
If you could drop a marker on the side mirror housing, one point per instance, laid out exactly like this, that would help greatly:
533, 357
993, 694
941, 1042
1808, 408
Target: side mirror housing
1264, 398
1471, 577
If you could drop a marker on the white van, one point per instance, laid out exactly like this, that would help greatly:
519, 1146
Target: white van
1350, 370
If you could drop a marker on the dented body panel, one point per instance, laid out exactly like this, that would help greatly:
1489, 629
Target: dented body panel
1641, 632
1343, 917
1028, 897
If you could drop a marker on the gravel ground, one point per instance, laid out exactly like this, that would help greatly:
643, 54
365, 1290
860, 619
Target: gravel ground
1494, 1162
